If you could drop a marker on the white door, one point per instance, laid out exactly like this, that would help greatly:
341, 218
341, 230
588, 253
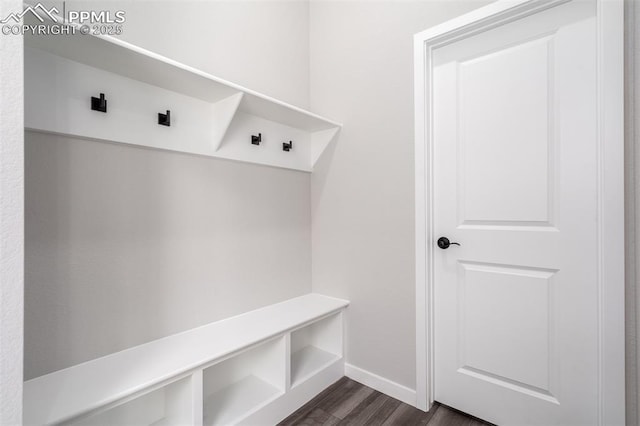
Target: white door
515, 184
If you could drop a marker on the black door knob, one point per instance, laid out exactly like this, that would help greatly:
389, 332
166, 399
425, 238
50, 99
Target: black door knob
444, 243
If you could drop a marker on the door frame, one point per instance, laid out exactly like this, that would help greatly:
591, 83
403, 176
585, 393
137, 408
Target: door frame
610, 190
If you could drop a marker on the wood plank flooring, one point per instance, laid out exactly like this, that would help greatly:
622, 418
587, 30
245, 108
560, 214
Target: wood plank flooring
348, 402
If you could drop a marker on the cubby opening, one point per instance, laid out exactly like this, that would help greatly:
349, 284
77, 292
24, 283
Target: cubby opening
169, 405
242, 384
315, 347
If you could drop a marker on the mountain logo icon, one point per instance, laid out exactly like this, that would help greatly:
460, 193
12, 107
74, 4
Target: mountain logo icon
39, 11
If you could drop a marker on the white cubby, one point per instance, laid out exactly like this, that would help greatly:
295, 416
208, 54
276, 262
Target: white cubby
315, 347
172, 404
239, 386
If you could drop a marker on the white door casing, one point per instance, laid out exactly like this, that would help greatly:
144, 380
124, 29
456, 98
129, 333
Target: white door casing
519, 157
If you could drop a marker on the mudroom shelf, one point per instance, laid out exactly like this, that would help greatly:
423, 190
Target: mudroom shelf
209, 116
233, 371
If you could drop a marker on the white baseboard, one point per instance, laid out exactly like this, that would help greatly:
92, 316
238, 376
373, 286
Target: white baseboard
381, 384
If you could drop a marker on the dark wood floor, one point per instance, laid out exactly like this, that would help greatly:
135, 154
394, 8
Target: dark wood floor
347, 402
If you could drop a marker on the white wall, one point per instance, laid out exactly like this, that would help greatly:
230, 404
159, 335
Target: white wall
11, 223
363, 189
124, 244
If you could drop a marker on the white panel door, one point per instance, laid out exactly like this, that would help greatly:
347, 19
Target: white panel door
515, 183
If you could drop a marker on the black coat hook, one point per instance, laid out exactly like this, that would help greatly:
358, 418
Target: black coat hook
287, 146
164, 119
99, 104
255, 140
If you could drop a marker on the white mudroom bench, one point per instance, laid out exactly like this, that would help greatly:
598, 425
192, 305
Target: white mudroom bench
254, 368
